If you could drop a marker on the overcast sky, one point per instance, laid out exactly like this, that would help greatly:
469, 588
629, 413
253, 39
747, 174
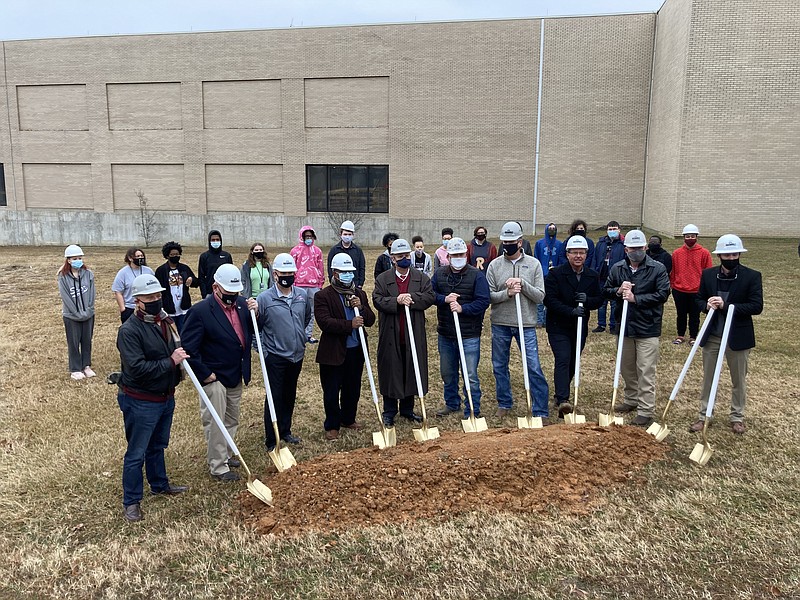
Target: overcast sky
24, 19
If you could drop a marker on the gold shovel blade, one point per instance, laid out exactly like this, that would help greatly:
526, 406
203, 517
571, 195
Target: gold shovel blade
387, 441
573, 419
658, 431
425, 434
701, 454
604, 420
618, 421
529, 422
260, 491
474, 425
282, 460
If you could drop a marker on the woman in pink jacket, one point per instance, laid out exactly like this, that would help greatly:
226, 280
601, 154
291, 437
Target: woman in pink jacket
310, 275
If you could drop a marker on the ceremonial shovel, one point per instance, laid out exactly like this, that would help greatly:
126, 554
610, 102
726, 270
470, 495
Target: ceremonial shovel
472, 424
425, 433
604, 420
528, 421
573, 418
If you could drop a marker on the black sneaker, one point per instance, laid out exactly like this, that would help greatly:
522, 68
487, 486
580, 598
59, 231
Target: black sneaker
226, 477
234, 463
613, 330
621, 407
564, 408
598, 329
388, 421
413, 417
642, 421
443, 412
291, 439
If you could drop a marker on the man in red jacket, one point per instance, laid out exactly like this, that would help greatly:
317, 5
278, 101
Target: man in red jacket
688, 262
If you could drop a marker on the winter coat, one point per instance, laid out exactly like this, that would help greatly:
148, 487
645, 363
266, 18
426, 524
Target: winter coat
162, 274
209, 262
663, 257
560, 288
473, 295
394, 383
357, 256
146, 364
77, 295
548, 250
651, 290
335, 326
746, 293
382, 264
615, 250
310, 272
246, 270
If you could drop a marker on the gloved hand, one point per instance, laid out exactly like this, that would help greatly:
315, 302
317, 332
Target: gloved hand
578, 311
580, 297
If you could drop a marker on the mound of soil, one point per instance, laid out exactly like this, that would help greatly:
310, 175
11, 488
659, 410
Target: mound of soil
502, 469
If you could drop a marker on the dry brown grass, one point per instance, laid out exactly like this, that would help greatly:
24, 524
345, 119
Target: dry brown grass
728, 530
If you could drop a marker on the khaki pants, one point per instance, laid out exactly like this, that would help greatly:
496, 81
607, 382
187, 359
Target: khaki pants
638, 367
226, 402
737, 365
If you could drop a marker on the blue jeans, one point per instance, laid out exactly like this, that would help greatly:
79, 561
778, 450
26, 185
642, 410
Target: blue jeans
501, 346
601, 313
541, 315
147, 427
450, 363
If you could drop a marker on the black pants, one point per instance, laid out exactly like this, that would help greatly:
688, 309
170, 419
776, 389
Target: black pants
283, 375
686, 306
344, 378
79, 343
407, 403
563, 346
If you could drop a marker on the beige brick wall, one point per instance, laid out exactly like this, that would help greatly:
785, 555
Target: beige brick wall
52, 107
144, 106
347, 102
163, 185
242, 104
244, 188
58, 186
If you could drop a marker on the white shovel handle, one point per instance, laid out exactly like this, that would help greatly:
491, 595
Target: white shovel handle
366, 360
410, 329
210, 407
522, 349
723, 345
272, 413
623, 321
689, 358
578, 351
465, 371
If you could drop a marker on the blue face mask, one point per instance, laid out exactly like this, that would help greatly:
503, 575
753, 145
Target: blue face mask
346, 277
216, 245
613, 234
404, 263
308, 241
77, 264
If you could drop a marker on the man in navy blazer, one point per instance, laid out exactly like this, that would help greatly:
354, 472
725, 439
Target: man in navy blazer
219, 332
730, 283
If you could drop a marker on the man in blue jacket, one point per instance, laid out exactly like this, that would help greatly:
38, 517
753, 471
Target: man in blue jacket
217, 335
549, 251
608, 251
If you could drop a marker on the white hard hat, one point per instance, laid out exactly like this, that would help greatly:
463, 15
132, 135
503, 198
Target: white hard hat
577, 241
690, 229
400, 246
284, 263
347, 226
342, 262
456, 246
229, 278
146, 284
729, 244
635, 239
73, 250
510, 232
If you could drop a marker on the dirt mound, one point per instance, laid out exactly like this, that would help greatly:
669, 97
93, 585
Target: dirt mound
503, 469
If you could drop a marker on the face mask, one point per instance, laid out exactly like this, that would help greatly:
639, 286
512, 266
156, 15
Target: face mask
308, 241
613, 234
346, 277
480, 237
419, 253
77, 264
403, 263
139, 261
258, 255
654, 247
729, 263
510, 248
444, 243
228, 299
690, 242
174, 259
286, 281
580, 232
153, 308
458, 263
216, 245
347, 238
551, 230
636, 256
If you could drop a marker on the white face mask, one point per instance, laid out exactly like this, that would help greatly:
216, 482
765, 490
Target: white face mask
347, 238
459, 263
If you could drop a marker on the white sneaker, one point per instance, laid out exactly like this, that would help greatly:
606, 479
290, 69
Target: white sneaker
78, 375
88, 372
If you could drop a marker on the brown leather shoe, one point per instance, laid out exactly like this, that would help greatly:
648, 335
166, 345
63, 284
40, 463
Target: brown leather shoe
132, 513
697, 426
355, 426
502, 412
332, 435
738, 427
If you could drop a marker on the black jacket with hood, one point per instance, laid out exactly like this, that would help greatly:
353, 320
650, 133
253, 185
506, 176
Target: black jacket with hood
209, 262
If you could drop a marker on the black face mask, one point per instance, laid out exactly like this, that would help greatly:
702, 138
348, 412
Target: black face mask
729, 263
174, 259
653, 247
139, 261
480, 237
286, 280
581, 232
228, 299
510, 248
258, 255
153, 308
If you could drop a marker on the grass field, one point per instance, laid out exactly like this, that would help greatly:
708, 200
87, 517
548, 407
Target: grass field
727, 530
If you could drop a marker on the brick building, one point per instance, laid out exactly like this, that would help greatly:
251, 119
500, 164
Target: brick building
690, 114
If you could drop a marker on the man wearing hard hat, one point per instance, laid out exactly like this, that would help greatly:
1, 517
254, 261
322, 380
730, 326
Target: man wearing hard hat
730, 283
349, 247
688, 263
218, 335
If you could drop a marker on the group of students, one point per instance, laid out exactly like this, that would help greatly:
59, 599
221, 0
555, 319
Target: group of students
287, 295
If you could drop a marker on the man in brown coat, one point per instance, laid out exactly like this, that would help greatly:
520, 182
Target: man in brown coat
340, 358
394, 290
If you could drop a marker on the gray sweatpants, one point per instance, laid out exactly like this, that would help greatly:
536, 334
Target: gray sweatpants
79, 343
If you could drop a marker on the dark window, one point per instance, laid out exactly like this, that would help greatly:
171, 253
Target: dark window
3, 201
347, 188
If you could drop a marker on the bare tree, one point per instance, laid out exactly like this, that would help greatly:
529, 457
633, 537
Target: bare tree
335, 219
149, 227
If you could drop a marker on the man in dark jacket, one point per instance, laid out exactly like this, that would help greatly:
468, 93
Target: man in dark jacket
349, 247
608, 251
217, 335
656, 251
146, 397
210, 261
176, 278
340, 357
548, 251
643, 284
384, 261
460, 288
571, 291
729, 284
394, 290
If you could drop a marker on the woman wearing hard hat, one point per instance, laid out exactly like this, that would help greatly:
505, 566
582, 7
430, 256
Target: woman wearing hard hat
76, 286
